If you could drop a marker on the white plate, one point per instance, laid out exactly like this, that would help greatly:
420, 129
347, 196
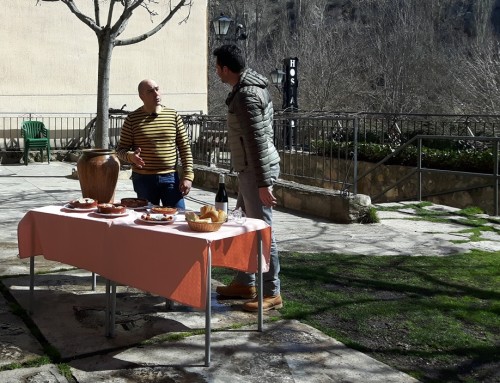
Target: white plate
151, 212
79, 210
158, 221
112, 215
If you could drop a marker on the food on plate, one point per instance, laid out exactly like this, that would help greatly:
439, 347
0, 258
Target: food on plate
163, 210
111, 208
157, 217
207, 214
134, 203
83, 203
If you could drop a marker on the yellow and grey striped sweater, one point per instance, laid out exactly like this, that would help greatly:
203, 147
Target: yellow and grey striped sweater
161, 138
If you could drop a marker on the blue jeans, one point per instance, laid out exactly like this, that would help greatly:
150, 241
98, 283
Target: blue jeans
249, 201
156, 187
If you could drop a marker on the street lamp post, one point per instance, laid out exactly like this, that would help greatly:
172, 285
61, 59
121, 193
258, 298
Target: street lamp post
221, 27
277, 77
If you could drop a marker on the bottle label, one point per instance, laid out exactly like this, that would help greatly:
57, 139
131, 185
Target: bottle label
221, 206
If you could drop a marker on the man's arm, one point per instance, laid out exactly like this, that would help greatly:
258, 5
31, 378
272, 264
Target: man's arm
184, 149
125, 150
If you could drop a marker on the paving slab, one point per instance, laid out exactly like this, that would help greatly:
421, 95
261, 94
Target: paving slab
287, 351
45, 374
17, 344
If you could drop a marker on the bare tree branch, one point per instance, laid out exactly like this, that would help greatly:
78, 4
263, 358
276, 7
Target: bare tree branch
97, 13
110, 13
129, 7
144, 36
82, 17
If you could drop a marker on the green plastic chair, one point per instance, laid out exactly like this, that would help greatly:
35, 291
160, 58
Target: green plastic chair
36, 136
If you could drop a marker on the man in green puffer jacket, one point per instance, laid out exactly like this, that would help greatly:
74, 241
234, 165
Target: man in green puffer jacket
254, 157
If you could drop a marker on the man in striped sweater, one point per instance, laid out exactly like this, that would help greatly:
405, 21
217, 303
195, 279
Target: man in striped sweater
152, 139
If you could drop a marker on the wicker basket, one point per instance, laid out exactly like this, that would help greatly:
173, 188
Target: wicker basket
204, 226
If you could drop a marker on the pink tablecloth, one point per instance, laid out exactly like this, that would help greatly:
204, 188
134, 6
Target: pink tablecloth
168, 260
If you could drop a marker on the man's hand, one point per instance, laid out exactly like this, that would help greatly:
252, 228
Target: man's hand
185, 186
137, 159
266, 196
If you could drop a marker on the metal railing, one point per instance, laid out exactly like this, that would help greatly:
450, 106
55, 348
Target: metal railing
420, 171
316, 149
68, 131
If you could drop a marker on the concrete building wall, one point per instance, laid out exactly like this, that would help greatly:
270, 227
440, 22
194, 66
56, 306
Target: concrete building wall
49, 58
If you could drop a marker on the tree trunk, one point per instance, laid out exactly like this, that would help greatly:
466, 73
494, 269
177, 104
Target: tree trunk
102, 121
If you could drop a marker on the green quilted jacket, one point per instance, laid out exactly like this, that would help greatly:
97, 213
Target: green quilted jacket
250, 127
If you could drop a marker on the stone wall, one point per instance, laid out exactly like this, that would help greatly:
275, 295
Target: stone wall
304, 199
444, 188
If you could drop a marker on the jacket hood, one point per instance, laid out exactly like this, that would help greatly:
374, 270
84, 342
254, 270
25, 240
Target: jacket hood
249, 77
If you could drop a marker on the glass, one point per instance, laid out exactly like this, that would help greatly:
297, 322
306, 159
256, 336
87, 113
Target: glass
237, 216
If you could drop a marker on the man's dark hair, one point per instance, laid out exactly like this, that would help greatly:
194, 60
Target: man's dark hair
231, 56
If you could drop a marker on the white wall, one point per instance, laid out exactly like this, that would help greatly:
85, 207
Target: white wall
48, 60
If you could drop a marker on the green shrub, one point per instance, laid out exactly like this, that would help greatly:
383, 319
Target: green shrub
458, 159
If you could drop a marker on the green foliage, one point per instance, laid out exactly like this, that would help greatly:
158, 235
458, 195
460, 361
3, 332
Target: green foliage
470, 160
371, 216
65, 370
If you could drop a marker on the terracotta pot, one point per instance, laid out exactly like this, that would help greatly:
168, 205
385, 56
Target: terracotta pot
98, 171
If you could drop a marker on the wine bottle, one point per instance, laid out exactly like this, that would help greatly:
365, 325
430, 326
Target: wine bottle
221, 200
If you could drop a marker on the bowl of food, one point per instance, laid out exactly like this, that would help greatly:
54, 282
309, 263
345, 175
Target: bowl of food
162, 219
82, 203
164, 210
111, 208
134, 203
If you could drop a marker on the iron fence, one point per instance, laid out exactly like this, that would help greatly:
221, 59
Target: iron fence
301, 138
67, 131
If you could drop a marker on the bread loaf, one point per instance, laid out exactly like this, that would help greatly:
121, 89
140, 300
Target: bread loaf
208, 214
205, 209
212, 215
222, 216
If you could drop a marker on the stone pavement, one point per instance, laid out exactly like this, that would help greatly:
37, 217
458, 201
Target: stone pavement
70, 315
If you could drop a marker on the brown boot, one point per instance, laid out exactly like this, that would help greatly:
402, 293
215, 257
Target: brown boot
235, 290
268, 303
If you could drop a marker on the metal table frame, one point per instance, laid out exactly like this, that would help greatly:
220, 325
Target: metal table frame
110, 314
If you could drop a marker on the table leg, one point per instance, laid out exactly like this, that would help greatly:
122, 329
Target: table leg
169, 305
32, 285
113, 309
208, 309
108, 308
110, 317
260, 284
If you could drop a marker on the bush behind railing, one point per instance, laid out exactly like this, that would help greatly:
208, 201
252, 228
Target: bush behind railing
455, 157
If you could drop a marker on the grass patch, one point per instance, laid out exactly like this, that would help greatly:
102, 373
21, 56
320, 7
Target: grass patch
436, 318
371, 216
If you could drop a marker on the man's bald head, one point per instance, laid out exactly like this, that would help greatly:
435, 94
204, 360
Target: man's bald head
149, 93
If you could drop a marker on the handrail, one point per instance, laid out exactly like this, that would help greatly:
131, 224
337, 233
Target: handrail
421, 170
